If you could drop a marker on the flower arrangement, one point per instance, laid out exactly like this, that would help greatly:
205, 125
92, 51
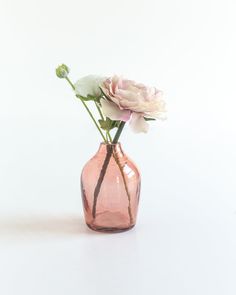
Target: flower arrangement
117, 101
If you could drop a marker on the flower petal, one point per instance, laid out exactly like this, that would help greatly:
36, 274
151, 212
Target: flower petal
89, 85
138, 123
112, 111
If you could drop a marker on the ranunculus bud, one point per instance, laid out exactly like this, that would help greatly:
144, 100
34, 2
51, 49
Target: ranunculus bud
62, 71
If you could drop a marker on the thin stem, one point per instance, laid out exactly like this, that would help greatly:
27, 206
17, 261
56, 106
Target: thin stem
118, 132
103, 172
99, 110
91, 115
71, 84
108, 135
88, 110
100, 179
108, 131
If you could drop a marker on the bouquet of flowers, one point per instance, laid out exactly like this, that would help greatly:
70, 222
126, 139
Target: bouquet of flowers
118, 101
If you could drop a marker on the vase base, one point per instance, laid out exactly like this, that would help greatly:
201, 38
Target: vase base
109, 229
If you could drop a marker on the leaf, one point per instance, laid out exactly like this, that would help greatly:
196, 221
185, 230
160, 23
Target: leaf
115, 124
103, 124
108, 124
149, 119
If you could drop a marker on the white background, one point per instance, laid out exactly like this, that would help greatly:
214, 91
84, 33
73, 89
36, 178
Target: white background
185, 239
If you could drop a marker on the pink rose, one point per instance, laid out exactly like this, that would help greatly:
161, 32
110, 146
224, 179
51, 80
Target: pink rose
128, 100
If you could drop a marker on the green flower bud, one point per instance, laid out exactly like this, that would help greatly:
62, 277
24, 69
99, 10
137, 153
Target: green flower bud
62, 71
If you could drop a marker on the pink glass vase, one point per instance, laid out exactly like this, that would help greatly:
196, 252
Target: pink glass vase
110, 187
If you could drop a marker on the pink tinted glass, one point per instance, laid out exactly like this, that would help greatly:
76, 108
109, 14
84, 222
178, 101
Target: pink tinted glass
110, 186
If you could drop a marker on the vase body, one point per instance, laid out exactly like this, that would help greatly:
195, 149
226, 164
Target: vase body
110, 188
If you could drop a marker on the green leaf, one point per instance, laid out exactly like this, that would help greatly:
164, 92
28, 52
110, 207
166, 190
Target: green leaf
115, 124
149, 119
108, 124
103, 124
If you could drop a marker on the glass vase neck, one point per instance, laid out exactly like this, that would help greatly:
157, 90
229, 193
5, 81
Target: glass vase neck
106, 148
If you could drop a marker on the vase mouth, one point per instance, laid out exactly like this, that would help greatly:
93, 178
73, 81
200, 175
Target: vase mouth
110, 144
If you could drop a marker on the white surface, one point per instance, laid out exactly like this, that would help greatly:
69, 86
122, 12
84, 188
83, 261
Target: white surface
185, 240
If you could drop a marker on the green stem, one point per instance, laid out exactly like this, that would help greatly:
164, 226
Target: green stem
108, 132
108, 135
101, 178
91, 115
71, 84
104, 169
118, 132
99, 110
88, 110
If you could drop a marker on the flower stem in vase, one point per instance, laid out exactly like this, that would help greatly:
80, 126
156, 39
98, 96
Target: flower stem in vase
104, 167
100, 179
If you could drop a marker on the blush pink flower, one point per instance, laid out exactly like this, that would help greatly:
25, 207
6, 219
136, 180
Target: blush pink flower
127, 100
